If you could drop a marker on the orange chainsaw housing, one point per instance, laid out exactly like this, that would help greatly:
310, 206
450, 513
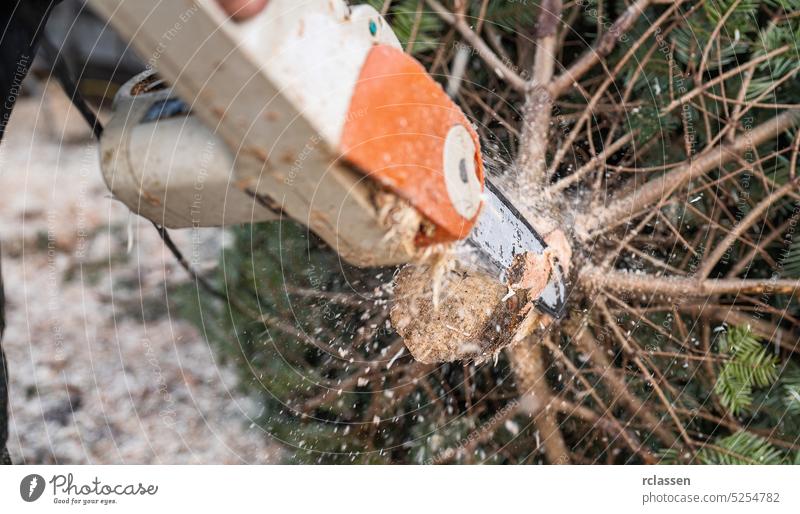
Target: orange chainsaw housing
395, 132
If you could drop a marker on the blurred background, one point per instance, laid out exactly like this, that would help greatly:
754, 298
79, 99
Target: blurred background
101, 370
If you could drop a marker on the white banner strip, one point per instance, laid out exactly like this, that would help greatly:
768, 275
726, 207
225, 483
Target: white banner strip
395, 489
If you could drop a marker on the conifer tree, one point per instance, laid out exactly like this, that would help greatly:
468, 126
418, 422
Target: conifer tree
664, 136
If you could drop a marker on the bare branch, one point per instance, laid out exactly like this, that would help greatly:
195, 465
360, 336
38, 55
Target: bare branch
724, 76
624, 340
595, 278
596, 161
657, 189
605, 417
728, 314
538, 102
527, 361
746, 261
603, 47
615, 381
752, 217
485, 53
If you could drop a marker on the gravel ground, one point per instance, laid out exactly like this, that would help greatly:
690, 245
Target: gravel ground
100, 370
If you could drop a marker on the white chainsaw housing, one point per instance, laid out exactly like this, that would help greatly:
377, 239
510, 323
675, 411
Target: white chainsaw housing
168, 166
268, 146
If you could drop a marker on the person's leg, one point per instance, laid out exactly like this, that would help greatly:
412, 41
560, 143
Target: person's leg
21, 26
4, 457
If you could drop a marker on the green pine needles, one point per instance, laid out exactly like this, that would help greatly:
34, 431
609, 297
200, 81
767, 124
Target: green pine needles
750, 365
741, 448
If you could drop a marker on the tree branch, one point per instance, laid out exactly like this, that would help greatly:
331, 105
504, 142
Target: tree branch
485, 53
749, 65
615, 381
527, 360
596, 161
604, 415
763, 242
653, 191
596, 278
624, 340
603, 47
786, 339
538, 107
752, 217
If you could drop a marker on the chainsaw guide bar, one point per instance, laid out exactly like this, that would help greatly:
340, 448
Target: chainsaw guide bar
501, 235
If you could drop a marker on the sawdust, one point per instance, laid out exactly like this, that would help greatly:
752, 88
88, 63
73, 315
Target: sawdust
402, 220
475, 318
406, 226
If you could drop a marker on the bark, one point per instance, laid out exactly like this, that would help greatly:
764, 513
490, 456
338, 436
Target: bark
537, 112
598, 279
527, 360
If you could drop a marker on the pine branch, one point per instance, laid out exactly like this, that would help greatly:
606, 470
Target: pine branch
655, 190
606, 43
538, 107
483, 50
527, 360
738, 449
596, 278
749, 366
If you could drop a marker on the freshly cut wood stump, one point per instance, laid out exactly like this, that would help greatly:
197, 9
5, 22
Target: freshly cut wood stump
475, 316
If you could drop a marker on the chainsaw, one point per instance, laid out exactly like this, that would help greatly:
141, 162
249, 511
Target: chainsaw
309, 111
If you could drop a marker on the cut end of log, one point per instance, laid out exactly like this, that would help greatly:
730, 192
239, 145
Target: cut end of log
476, 315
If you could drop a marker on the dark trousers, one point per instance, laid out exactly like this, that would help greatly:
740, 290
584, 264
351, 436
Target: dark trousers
21, 26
